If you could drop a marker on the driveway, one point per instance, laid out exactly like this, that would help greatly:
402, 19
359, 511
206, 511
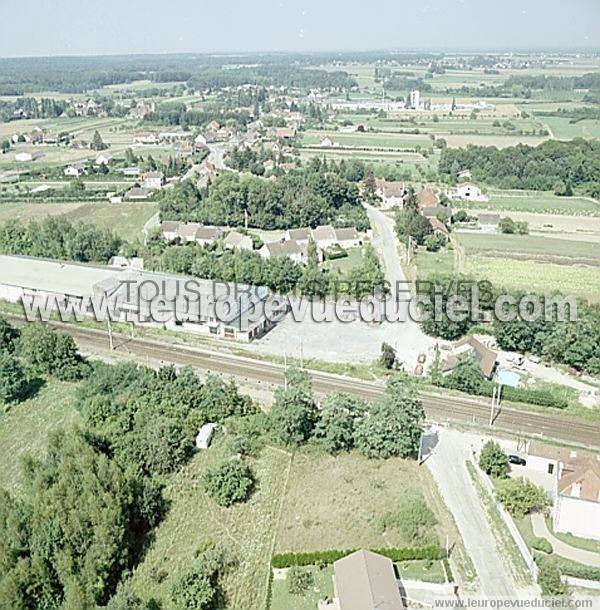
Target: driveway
447, 464
540, 529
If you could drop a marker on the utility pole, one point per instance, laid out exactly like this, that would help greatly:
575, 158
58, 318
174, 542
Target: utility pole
110, 335
301, 352
285, 370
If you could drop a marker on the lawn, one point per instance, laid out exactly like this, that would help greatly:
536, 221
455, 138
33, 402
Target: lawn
282, 599
537, 202
245, 531
534, 276
338, 502
433, 263
341, 266
562, 128
24, 428
537, 245
126, 219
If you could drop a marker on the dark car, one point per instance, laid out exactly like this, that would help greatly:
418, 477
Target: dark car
517, 459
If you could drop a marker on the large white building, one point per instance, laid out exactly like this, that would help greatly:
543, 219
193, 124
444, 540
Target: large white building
188, 302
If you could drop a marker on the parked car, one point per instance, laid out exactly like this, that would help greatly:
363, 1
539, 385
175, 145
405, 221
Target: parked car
517, 459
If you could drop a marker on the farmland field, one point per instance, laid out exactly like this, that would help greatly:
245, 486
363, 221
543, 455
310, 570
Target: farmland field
126, 219
563, 129
433, 263
536, 202
533, 276
537, 245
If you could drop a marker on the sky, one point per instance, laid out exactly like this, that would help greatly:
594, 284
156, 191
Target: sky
87, 27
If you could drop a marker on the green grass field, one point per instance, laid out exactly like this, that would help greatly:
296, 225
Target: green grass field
245, 532
433, 263
126, 219
562, 128
536, 245
323, 587
536, 202
24, 428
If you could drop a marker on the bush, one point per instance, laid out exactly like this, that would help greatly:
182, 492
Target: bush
228, 483
521, 497
549, 579
299, 580
413, 518
541, 544
13, 385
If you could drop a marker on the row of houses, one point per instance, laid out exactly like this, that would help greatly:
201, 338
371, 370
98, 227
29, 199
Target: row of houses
187, 232
294, 244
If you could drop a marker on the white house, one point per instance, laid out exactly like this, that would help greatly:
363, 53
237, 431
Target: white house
290, 248
153, 180
145, 137
23, 157
204, 436
467, 191
238, 241
102, 159
348, 237
415, 99
170, 229
324, 236
326, 142
391, 193
577, 502
75, 170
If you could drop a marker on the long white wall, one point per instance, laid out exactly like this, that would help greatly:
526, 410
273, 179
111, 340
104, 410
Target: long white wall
578, 517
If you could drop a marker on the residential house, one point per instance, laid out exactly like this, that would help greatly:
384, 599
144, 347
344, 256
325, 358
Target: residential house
145, 137
348, 237
485, 357
238, 241
488, 223
102, 159
285, 133
439, 228
426, 197
75, 170
577, 501
366, 581
208, 235
324, 236
326, 142
465, 174
153, 180
132, 171
213, 126
188, 231
302, 236
391, 193
170, 229
290, 248
138, 193
467, 191
23, 157
200, 141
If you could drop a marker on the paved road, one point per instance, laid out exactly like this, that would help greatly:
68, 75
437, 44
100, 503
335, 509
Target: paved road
447, 465
561, 548
438, 408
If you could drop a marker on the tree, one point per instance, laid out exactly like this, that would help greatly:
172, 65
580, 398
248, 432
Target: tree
388, 356
467, 376
507, 226
299, 580
433, 243
550, 581
97, 142
521, 497
314, 280
13, 384
229, 482
294, 413
493, 461
338, 420
412, 223
394, 424
197, 589
9, 335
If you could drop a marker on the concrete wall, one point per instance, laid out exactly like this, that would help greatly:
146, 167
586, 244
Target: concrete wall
577, 516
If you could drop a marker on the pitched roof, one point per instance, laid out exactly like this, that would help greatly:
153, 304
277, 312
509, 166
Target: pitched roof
285, 248
438, 225
580, 478
323, 232
346, 233
189, 229
426, 197
170, 226
208, 233
366, 581
391, 189
299, 234
485, 357
234, 238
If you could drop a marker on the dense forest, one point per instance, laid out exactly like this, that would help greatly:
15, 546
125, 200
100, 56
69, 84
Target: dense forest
526, 167
309, 197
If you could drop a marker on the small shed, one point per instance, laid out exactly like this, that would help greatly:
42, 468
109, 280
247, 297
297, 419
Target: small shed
205, 435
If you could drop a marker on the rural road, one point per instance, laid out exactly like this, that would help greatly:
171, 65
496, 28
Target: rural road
447, 465
269, 375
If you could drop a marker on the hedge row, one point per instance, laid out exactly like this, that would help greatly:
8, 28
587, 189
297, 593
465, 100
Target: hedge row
570, 568
542, 398
287, 560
